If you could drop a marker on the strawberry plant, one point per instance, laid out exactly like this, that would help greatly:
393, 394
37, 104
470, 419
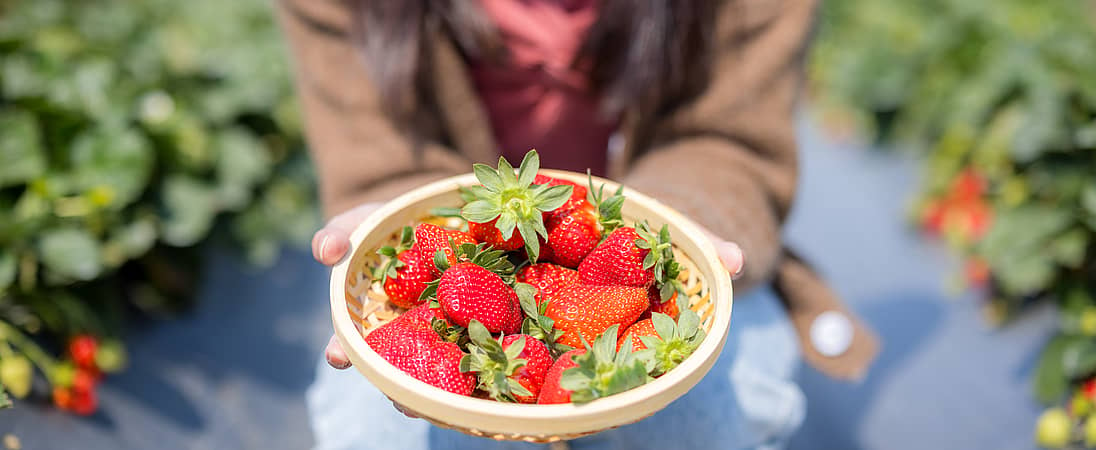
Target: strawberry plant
999, 97
131, 132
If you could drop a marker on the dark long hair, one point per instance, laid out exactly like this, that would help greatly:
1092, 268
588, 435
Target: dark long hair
645, 54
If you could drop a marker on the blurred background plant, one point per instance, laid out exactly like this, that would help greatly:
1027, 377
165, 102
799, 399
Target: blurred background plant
132, 132
1001, 98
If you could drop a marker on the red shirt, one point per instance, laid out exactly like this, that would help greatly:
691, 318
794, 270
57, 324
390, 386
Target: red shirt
536, 99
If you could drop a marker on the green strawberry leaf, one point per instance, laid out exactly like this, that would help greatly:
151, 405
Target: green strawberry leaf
488, 177
527, 172
664, 325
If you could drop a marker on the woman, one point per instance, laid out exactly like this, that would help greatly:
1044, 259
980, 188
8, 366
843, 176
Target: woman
688, 101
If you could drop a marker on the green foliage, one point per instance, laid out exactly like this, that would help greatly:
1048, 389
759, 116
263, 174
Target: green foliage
1003, 92
130, 130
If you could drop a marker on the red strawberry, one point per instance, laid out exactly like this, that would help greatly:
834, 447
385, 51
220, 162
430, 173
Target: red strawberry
82, 349
643, 327
571, 235
409, 343
617, 261
596, 371
661, 343
430, 238
467, 291
634, 257
84, 403
590, 310
513, 203
511, 370
668, 307
489, 233
436, 363
547, 278
550, 390
411, 277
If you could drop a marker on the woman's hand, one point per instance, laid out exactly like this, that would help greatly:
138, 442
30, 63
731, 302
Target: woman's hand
329, 245
730, 253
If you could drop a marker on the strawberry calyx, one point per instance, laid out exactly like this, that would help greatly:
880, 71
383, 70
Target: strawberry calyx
388, 269
481, 254
608, 208
514, 200
673, 344
493, 365
536, 323
660, 259
603, 370
450, 333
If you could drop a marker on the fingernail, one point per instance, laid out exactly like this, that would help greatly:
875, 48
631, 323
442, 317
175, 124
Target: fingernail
323, 245
337, 364
738, 273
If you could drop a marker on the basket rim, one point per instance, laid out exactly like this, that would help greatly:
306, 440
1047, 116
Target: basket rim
458, 405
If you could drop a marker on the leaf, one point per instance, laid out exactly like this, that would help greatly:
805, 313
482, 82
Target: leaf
527, 171
506, 173
480, 211
664, 325
488, 177
242, 163
1079, 358
532, 246
526, 298
7, 267
22, 158
549, 198
1050, 380
71, 252
479, 334
191, 206
688, 322
1069, 248
119, 160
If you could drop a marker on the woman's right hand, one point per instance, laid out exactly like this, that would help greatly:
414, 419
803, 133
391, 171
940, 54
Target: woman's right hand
329, 245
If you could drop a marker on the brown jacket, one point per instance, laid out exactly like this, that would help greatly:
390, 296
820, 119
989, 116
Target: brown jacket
727, 159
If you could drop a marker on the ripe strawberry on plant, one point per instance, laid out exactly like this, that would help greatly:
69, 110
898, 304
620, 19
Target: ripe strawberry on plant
547, 278
661, 343
587, 311
634, 257
430, 238
405, 273
511, 368
513, 202
595, 372
82, 348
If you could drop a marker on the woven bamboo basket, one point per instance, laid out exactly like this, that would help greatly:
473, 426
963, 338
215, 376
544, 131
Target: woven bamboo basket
359, 305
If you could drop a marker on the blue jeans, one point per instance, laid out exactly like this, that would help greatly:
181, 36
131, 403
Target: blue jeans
748, 400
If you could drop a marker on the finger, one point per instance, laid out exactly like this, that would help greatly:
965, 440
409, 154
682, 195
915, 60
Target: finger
330, 244
405, 411
732, 257
730, 254
336, 357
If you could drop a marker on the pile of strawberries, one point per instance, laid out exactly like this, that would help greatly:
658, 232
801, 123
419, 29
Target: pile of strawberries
546, 298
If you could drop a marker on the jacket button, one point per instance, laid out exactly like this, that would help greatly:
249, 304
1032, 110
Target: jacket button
831, 333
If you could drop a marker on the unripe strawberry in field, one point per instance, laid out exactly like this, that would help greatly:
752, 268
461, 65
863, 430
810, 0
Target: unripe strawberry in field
16, 374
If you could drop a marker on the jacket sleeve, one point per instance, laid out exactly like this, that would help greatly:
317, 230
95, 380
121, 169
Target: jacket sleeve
359, 153
728, 158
